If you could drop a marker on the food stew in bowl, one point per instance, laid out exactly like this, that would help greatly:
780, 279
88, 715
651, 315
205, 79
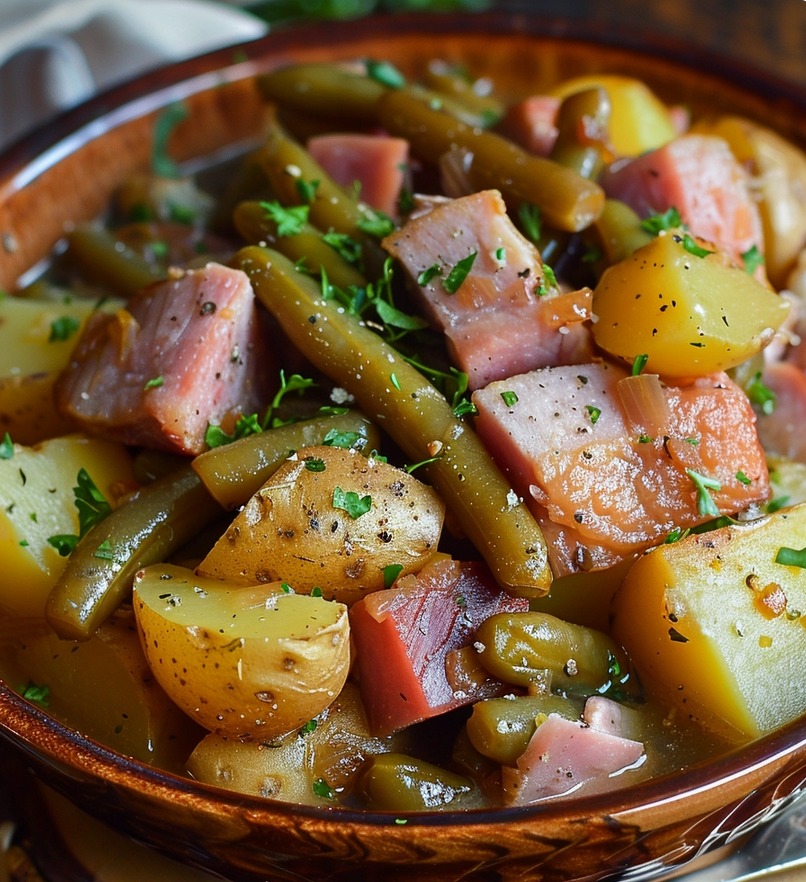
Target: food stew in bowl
426, 454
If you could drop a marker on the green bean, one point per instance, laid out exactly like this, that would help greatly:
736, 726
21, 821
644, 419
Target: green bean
500, 728
103, 258
447, 80
582, 132
288, 164
235, 472
518, 648
566, 200
617, 232
324, 90
400, 783
158, 519
254, 223
395, 395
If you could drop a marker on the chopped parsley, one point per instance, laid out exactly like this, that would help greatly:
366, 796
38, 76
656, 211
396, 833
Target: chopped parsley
307, 189
428, 274
453, 281
344, 245
638, 365
6, 447
154, 383
593, 412
390, 573
64, 543
315, 464
105, 551
345, 440
530, 220
667, 220
322, 789
351, 502
791, 557
308, 727
385, 73
690, 244
37, 694
375, 223
752, 259
510, 398
63, 328
549, 280
704, 484
760, 395
742, 478
290, 221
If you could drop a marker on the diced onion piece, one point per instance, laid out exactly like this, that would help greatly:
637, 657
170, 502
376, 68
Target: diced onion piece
644, 403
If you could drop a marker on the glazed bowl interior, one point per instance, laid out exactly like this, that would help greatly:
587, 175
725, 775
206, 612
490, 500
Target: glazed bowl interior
67, 173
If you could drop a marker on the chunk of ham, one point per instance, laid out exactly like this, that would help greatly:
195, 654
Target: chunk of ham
531, 123
498, 322
375, 163
185, 353
606, 484
413, 643
562, 756
700, 177
783, 432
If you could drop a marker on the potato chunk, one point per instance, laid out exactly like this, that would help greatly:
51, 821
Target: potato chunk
332, 519
37, 502
714, 623
242, 661
690, 315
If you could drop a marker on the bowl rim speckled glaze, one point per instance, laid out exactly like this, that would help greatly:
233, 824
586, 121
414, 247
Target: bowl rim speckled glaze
659, 822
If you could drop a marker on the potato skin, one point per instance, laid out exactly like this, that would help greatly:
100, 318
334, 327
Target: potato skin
291, 530
245, 662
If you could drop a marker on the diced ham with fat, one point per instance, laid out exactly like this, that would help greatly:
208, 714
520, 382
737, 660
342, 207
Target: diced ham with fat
414, 643
700, 177
503, 318
185, 353
783, 432
531, 123
609, 461
374, 163
562, 756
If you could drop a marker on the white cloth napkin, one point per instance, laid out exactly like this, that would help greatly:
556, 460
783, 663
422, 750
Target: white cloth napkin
57, 53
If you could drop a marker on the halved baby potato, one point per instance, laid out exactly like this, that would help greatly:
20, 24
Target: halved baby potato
331, 519
253, 661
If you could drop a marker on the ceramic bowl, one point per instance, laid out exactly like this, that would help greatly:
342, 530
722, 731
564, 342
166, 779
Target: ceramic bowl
67, 173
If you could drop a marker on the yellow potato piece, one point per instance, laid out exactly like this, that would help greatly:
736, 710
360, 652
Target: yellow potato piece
690, 315
245, 661
102, 687
37, 337
332, 519
37, 501
640, 121
718, 627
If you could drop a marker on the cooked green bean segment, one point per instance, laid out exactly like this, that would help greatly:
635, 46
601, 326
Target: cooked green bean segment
400, 783
500, 728
324, 90
518, 648
234, 472
305, 244
158, 519
106, 260
566, 200
445, 78
395, 395
617, 232
290, 167
582, 132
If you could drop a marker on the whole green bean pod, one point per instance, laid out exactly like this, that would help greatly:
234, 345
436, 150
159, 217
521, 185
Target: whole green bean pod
519, 647
158, 519
446, 79
402, 402
500, 728
617, 232
288, 165
401, 783
234, 472
324, 90
566, 200
99, 254
254, 223
583, 141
